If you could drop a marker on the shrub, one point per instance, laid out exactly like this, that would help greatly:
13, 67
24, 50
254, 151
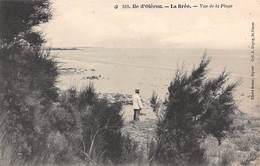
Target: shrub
196, 107
216, 154
27, 78
236, 150
130, 150
156, 104
101, 125
98, 122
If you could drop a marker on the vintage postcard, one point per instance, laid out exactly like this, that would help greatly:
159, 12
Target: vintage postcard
130, 82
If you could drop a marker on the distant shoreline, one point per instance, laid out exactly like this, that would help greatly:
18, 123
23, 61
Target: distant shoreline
69, 48
167, 48
60, 48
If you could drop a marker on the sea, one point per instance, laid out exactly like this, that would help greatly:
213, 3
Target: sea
122, 70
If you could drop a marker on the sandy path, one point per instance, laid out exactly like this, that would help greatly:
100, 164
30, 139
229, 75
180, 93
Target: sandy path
142, 131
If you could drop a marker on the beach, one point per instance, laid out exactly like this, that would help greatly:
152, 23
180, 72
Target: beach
113, 70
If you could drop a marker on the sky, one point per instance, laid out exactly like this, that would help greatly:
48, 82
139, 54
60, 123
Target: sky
95, 23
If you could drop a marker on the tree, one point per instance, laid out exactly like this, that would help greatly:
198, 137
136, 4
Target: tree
101, 126
196, 106
27, 78
17, 17
99, 123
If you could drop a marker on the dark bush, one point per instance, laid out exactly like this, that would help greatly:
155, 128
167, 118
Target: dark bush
99, 125
27, 78
196, 107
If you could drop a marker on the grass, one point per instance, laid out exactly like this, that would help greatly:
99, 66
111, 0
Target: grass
240, 147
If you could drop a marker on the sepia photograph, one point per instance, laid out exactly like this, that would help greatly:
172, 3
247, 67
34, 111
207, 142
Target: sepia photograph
129, 83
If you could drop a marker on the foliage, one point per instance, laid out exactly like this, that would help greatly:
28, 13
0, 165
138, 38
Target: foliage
99, 124
156, 104
129, 150
27, 78
236, 148
18, 17
196, 107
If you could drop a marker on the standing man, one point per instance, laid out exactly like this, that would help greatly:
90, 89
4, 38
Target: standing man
137, 104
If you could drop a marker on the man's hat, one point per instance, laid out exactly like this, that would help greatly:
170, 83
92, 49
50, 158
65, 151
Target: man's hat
137, 90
